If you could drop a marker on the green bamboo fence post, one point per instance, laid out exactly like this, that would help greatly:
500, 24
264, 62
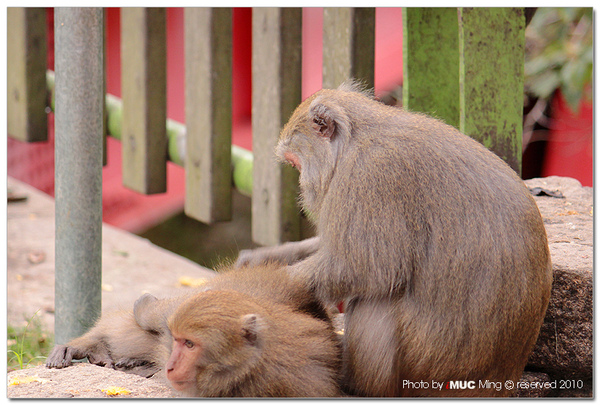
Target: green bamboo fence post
492, 52
430, 62
242, 160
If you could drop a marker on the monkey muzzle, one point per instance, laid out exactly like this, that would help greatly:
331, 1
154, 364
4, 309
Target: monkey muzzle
293, 160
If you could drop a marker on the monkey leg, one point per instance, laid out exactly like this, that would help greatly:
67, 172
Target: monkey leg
369, 358
285, 254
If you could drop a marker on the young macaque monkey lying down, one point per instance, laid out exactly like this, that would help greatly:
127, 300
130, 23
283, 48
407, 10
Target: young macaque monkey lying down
433, 242
249, 333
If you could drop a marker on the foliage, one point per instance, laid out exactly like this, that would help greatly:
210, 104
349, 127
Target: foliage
560, 53
27, 345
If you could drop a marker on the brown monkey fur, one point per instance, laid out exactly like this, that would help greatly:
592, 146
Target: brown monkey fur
228, 344
254, 333
434, 243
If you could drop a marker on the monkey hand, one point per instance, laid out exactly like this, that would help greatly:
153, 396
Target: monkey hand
63, 355
262, 256
101, 358
137, 366
285, 254
253, 257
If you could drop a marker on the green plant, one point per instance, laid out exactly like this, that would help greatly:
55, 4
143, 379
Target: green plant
28, 345
560, 53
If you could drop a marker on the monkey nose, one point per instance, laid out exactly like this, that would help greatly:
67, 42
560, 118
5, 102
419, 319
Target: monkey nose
293, 160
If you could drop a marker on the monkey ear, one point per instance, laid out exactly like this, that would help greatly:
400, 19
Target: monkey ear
251, 325
143, 311
143, 303
323, 121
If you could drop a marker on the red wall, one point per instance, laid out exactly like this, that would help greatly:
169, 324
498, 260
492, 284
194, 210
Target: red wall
569, 150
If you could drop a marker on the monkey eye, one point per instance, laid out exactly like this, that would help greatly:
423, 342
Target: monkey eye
189, 344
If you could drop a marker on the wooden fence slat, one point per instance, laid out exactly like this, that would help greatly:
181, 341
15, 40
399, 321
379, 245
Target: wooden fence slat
276, 91
208, 97
348, 45
492, 49
26, 74
430, 62
143, 75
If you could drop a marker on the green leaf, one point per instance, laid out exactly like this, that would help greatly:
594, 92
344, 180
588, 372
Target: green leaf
574, 76
544, 84
561, 53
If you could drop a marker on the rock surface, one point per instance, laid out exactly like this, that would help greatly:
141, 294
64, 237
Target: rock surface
534, 385
565, 345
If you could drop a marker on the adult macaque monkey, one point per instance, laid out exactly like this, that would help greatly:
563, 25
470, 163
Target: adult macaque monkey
433, 242
245, 333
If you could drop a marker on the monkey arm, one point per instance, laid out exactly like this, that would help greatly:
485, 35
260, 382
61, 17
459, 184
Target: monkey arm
116, 341
286, 254
89, 346
325, 278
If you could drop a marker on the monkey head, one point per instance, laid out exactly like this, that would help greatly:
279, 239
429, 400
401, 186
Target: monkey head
314, 138
216, 342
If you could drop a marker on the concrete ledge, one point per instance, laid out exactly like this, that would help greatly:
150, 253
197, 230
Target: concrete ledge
131, 265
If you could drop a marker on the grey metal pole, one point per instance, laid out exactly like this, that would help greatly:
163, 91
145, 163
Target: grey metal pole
79, 64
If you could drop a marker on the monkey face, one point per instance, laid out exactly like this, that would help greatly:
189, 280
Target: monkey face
309, 143
215, 341
181, 366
